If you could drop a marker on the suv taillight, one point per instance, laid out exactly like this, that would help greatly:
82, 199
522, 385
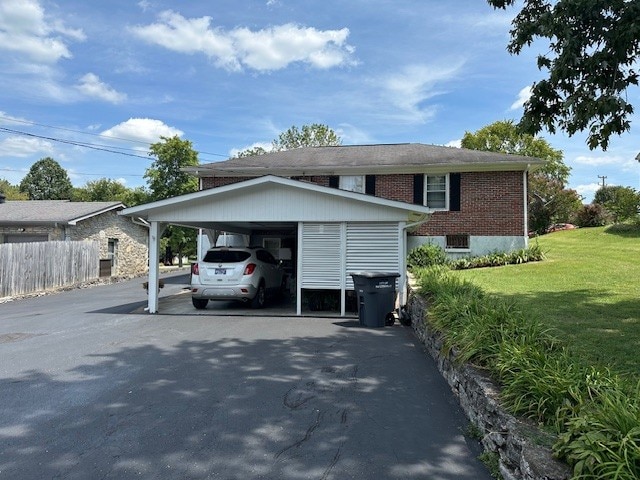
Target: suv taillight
195, 269
249, 269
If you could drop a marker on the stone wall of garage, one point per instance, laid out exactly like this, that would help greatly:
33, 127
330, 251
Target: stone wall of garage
132, 239
519, 444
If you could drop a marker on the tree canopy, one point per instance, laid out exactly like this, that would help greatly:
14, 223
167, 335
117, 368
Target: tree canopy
314, 135
46, 180
165, 176
11, 192
622, 202
109, 190
591, 61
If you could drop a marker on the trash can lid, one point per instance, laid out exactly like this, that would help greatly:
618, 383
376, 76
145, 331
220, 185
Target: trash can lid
369, 274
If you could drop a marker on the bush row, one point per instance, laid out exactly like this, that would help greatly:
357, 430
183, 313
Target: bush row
595, 414
430, 254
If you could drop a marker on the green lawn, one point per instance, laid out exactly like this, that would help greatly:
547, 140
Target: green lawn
587, 290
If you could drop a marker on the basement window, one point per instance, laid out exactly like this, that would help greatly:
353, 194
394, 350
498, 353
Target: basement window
457, 242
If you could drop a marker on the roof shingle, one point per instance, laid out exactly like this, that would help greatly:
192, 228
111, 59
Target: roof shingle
51, 211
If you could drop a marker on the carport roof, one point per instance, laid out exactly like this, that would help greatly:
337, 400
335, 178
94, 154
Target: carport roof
367, 159
274, 199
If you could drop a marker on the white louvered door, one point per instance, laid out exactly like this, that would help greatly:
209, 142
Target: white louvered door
322, 261
372, 247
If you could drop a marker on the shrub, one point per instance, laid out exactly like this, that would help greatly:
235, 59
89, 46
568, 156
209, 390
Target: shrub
592, 215
531, 254
426, 255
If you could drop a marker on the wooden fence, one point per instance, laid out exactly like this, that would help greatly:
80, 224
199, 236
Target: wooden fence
39, 266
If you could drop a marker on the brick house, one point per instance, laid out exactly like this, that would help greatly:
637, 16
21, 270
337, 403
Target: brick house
477, 200
122, 240
331, 211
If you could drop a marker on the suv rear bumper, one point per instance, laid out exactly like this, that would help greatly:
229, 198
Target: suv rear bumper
230, 292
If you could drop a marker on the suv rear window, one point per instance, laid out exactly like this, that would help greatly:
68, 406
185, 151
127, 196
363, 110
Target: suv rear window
226, 256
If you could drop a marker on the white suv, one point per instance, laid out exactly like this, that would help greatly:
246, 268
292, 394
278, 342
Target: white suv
236, 273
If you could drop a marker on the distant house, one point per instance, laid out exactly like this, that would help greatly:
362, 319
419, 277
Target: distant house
331, 211
122, 240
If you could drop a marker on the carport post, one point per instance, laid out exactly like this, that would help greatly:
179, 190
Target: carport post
155, 232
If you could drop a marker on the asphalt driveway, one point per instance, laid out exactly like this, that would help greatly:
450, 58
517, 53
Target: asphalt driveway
89, 390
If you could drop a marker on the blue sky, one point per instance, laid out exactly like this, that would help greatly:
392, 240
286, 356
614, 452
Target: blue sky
231, 74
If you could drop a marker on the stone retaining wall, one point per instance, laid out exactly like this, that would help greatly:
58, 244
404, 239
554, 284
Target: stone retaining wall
520, 445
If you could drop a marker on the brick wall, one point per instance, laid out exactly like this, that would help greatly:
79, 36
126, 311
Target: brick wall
491, 203
214, 182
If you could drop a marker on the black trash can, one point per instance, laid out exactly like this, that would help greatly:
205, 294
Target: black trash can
376, 294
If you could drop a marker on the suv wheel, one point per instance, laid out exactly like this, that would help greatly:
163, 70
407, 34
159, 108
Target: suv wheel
200, 303
260, 298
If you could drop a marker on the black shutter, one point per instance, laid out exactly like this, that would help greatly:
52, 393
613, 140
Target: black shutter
334, 181
370, 185
454, 192
418, 189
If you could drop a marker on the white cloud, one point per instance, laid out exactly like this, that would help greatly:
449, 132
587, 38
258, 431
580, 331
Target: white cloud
352, 135
91, 86
599, 161
454, 143
142, 129
263, 50
144, 5
266, 145
25, 30
523, 97
409, 89
24, 146
6, 119
588, 190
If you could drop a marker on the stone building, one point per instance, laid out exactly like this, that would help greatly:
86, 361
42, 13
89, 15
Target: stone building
122, 240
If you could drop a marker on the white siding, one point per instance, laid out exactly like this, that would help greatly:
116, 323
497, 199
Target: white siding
372, 247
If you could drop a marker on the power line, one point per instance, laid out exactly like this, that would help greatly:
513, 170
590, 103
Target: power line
77, 173
28, 122
69, 142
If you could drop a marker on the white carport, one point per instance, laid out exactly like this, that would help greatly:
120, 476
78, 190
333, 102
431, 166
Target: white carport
337, 231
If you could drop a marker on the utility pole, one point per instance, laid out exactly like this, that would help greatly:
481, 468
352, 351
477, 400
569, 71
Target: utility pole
603, 178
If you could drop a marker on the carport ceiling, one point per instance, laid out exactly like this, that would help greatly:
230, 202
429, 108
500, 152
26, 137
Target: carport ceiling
245, 227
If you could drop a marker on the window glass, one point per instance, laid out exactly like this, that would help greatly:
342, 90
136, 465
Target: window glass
436, 191
460, 241
226, 256
352, 183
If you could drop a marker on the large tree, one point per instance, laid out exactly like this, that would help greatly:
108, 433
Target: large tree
46, 180
591, 61
314, 135
549, 201
166, 179
622, 202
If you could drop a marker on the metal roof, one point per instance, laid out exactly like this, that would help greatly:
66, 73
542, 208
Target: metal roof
387, 158
52, 211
